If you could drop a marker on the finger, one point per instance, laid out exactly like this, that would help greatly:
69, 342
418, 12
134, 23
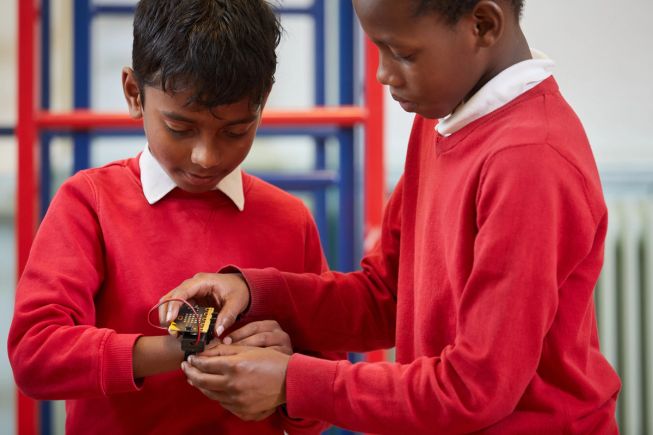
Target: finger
215, 341
226, 317
163, 311
245, 331
198, 287
264, 339
235, 300
200, 379
220, 349
169, 309
172, 311
254, 328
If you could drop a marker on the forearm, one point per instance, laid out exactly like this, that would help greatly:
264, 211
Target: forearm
154, 355
319, 312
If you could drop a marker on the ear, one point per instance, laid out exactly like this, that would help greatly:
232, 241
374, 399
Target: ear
132, 93
262, 106
489, 22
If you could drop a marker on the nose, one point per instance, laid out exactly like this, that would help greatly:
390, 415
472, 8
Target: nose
384, 72
205, 155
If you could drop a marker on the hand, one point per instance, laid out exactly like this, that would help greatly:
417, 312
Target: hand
265, 333
227, 291
248, 381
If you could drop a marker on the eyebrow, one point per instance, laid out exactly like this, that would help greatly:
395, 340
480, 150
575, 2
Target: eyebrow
178, 117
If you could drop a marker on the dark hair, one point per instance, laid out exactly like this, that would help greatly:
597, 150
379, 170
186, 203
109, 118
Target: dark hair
453, 10
221, 50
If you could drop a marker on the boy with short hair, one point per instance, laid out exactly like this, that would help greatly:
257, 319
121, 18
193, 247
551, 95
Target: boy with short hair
116, 238
491, 246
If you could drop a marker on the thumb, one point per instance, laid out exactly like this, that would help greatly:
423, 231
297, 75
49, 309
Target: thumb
227, 316
236, 299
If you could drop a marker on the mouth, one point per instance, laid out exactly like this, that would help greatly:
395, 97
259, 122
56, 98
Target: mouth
398, 99
202, 179
407, 105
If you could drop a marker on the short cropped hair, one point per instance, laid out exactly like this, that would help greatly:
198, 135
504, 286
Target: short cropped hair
453, 10
220, 50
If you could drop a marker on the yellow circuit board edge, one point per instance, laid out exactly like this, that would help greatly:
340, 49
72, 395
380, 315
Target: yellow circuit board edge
186, 321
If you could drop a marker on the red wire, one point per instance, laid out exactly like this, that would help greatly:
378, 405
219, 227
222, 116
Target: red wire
199, 328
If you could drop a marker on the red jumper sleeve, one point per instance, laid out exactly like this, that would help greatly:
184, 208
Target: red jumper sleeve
55, 350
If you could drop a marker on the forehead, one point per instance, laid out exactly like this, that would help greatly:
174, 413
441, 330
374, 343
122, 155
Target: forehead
385, 13
394, 21
177, 102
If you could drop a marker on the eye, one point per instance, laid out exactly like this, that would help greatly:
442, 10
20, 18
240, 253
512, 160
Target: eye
404, 57
234, 134
237, 133
178, 131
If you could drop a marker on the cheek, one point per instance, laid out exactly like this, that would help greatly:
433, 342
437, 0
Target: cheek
165, 149
239, 152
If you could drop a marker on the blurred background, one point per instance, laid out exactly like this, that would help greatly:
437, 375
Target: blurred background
604, 63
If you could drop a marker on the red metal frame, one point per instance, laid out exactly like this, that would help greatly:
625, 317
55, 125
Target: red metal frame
345, 116
374, 160
29, 121
26, 212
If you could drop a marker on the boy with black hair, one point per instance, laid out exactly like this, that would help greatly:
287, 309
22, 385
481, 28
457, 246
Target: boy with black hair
492, 243
117, 237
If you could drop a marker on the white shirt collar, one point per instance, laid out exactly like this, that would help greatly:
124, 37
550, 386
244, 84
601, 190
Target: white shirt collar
157, 183
501, 89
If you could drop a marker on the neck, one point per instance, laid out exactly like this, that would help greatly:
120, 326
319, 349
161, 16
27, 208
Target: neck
512, 50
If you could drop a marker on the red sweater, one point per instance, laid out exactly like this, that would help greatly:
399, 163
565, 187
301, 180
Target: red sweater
492, 243
102, 257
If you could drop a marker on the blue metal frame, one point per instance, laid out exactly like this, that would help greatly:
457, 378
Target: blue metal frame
45, 137
81, 78
45, 407
347, 237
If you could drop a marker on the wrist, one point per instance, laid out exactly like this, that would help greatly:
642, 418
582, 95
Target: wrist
156, 354
244, 286
286, 362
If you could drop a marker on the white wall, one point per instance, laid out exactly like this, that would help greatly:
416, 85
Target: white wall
605, 60
604, 55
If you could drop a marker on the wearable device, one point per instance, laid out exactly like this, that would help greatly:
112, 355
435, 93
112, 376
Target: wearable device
186, 326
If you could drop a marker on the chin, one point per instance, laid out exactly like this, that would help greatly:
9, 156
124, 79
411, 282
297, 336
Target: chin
195, 189
434, 113
429, 115
191, 188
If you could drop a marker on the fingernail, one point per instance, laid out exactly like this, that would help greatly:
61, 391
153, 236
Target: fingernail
191, 358
183, 365
220, 330
213, 343
227, 340
169, 315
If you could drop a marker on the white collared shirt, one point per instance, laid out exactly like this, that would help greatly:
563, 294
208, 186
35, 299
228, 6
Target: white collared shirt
157, 183
501, 89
